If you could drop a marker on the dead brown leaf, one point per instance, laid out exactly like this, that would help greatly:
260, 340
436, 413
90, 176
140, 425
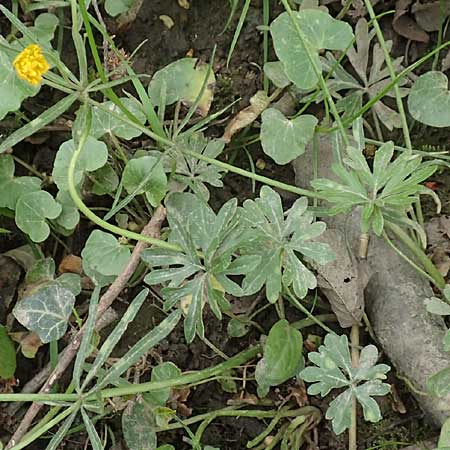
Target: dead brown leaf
258, 103
441, 260
71, 264
28, 341
405, 25
429, 16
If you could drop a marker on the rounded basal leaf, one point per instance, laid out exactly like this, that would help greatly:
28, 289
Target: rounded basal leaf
44, 27
46, 312
7, 355
283, 139
32, 210
13, 90
104, 254
69, 217
429, 100
138, 426
182, 80
162, 372
276, 74
282, 355
439, 383
93, 155
103, 122
319, 30
146, 175
12, 188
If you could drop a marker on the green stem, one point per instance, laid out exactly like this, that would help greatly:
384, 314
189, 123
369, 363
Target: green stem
392, 73
266, 20
318, 72
49, 425
430, 268
233, 362
94, 218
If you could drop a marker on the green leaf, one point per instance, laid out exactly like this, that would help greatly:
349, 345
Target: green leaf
7, 355
162, 372
41, 271
444, 436
277, 241
93, 155
13, 90
320, 31
439, 383
148, 341
12, 188
103, 122
146, 175
283, 139
334, 370
274, 71
282, 357
115, 336
49, 115
105, 180
44, 27
138, 425
429, 100
437, 306
46, 312
116, 7
237, 328
182, 80
105, 254
31, 211
69, 217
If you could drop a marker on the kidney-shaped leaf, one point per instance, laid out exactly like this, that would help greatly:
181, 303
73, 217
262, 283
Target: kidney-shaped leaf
105, 254
94, 155
103, 122
429, 100
283, 139
46, 312
146, 175
31, 211
282, 355
319, 30
182, 80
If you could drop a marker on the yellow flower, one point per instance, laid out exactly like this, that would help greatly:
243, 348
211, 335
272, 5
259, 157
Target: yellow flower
31, 64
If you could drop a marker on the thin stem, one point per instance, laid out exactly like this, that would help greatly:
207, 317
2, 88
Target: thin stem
266, 20
392, 74
233, 362
353, 431
94, 218
318, 72
430, 268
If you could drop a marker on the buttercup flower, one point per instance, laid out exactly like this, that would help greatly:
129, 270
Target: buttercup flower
31, 64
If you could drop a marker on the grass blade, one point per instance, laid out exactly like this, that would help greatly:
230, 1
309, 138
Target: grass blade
115, 336
41, 121
141, 347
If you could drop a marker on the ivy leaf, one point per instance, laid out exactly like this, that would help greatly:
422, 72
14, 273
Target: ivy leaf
429, 100
13, 188
146, 175
46, 312
282, 358
333, 369
31, 211
183, 80
94, 155
283, 139
138, 426
276, 74
277, 242
320, 31
103, 122
104, 253
7, 355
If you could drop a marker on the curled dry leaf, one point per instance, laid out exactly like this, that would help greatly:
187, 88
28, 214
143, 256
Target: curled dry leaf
71, 264
258, 103
441, 260
28, 341
430, 16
